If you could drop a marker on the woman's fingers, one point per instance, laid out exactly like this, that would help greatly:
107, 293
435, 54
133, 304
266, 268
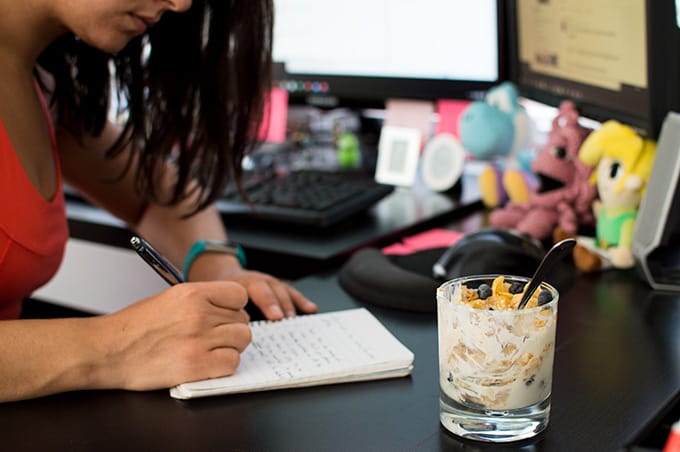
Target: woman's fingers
302, 303
275, 298
229, 335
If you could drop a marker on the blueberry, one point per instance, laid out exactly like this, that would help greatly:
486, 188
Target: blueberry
544, 297
516, 287
484, 291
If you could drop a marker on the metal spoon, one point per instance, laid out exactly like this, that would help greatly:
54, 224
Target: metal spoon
551, 258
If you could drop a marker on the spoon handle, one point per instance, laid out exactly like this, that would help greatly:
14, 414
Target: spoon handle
553, 256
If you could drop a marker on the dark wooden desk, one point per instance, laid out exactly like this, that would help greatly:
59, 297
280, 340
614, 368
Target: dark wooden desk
617, 363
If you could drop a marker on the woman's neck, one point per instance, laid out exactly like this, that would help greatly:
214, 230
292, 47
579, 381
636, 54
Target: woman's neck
27, 27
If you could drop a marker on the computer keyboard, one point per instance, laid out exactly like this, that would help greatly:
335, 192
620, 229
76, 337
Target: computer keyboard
305, 197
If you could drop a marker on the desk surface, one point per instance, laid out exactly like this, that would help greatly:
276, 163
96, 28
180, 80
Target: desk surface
617, 363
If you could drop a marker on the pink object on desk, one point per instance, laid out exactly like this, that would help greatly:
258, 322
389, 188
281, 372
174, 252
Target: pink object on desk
412, 114
449, 111
434, 238
273, 127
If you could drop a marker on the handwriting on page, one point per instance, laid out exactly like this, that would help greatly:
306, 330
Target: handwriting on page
299, 348
304, 349
314, 349
288, 350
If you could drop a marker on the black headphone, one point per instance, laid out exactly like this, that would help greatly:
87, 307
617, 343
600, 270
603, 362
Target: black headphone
402, 282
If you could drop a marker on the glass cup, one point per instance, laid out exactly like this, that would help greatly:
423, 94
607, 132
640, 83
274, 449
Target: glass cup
495, 364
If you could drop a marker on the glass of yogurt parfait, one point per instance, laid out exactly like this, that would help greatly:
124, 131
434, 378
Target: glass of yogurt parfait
495, 360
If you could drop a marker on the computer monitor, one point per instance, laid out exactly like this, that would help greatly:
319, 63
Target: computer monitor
617, 59
359, 53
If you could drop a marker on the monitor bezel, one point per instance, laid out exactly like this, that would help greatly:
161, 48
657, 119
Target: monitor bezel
663, 71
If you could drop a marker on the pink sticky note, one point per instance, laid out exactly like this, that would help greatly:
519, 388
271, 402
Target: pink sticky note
434, 238
449, 111
413, 114
273, 127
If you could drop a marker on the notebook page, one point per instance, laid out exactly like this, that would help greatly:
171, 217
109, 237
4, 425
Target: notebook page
309, 347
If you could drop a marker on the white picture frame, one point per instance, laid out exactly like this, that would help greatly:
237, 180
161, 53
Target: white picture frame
398, 152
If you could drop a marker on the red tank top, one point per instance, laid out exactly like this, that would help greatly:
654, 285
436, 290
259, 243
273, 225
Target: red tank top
33, 231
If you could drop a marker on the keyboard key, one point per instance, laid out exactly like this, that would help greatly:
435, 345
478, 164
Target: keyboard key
309, 197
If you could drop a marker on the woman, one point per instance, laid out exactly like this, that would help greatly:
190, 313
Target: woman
192, 78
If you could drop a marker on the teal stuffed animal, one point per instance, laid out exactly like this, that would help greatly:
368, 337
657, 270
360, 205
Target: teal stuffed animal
498, 130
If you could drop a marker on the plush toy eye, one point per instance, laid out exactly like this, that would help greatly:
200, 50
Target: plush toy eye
615, 170
560, 152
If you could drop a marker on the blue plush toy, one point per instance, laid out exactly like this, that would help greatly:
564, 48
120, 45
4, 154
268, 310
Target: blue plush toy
498, 130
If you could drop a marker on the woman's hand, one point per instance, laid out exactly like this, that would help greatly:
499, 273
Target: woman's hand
273, 297
188, 332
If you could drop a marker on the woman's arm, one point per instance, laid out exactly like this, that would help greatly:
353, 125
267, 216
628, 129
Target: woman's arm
174, 237
188, 332
86, 169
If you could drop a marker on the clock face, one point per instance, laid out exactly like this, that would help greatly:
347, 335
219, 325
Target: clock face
442, 162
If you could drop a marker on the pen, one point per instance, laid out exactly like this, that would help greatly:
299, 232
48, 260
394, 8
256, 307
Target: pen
161, 265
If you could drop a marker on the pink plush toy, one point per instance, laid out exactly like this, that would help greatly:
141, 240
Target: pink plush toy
565, 196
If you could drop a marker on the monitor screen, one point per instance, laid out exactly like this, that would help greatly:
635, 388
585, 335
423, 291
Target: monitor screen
609, 56
363, 52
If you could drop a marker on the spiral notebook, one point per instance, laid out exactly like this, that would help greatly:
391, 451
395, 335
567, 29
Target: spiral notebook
328, 348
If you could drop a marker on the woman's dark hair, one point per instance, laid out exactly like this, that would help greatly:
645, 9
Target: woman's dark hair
193, 88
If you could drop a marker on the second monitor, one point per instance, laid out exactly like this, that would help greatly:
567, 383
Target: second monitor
617, 59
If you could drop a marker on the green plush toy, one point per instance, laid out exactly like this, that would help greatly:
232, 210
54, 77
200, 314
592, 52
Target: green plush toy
349, 155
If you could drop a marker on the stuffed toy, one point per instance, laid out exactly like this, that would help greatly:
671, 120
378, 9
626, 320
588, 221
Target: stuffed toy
623, 161
498, 130
564, 197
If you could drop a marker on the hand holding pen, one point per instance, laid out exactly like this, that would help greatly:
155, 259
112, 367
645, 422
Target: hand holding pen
185, 333
272, 296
